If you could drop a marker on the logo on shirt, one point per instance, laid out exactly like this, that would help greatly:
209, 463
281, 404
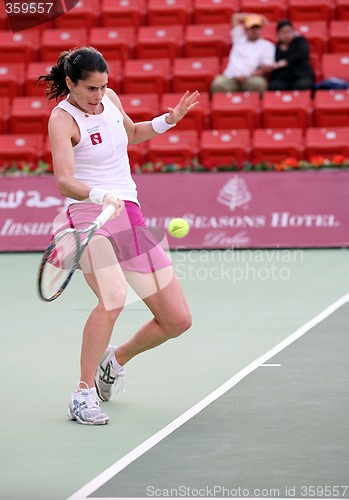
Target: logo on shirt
96, 138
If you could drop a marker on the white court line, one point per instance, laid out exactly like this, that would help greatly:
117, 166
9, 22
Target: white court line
210, 498
102, 478
271, 364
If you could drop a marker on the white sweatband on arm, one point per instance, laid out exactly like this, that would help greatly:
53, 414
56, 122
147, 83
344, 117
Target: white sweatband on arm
96, 195
160, 125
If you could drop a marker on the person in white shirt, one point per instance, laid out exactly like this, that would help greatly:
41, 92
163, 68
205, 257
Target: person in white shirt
248, 55
89, 132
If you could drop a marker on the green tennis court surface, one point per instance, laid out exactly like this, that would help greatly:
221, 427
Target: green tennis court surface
277, 427
283, 431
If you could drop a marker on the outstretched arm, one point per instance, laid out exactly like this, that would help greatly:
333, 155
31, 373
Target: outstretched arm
143, 131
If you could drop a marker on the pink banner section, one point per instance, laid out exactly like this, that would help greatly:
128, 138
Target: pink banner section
224, 210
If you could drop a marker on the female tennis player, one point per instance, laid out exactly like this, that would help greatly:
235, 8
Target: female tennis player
89, 132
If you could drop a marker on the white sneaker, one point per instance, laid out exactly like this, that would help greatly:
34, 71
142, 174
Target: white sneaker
85, 409
106, 376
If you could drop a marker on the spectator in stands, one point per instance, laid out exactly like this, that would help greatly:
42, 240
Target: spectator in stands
250, 53
291, 69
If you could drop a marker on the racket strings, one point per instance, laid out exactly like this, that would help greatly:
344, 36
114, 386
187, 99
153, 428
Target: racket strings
61, 260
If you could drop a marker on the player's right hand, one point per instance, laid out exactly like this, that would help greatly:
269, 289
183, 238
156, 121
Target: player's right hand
109, 199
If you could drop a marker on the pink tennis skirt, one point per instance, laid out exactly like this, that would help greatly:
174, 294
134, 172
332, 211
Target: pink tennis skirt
136, 247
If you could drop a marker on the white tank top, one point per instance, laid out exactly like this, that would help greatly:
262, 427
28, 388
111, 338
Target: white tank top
101, 158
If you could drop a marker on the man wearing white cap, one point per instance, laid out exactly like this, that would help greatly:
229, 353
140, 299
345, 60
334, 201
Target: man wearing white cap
248, 55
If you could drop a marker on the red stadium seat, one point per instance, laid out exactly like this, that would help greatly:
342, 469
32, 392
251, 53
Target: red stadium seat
339, 36
273, 10
224, 147
315, 63
144, 77
165, 12
207, 41
55, 41
4, 22
21, 147
316, 33
274, 145
335, 66
140, 107
326, 142
311, 10
287, 109
11, 79
85, 14
331, 108
174, 147
237, 110
29, 115
19, 47
115, 76
269, 32
224, 63
34, 70
342, 11
214, 11
122, 13
137, 154
4, 114
194, 73
114, 43
197, 118
159, 42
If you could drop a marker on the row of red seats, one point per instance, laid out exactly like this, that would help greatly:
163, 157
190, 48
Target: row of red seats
225, 147
111, 13
244, 110
213, 147
118, 43
122, 43
139, 76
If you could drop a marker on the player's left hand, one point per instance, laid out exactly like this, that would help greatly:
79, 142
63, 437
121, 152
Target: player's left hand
186, 103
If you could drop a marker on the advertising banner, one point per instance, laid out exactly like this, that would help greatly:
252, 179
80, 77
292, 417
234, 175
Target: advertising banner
224, 210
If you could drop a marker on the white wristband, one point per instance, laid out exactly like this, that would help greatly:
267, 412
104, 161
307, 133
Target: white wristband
160, 125
96, 195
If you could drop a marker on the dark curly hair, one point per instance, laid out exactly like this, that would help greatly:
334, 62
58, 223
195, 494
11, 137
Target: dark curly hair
282, 23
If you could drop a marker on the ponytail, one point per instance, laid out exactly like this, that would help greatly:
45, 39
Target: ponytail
77, 64
55, 79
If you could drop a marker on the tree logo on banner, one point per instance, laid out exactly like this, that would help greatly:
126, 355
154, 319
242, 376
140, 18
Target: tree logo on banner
234, 193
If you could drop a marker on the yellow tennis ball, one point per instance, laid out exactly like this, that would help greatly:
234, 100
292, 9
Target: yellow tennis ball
178, 228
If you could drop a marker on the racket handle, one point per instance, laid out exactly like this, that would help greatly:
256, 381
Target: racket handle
104, 216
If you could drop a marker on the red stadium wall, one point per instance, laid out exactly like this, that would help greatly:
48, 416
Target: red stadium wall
225, 210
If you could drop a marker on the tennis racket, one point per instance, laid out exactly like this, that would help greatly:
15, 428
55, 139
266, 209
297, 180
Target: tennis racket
62, 256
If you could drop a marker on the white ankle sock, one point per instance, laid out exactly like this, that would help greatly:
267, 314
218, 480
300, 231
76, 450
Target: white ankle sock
79, 389
115, 364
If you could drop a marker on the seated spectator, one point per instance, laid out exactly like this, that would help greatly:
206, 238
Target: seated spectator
249, 54
292, 69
